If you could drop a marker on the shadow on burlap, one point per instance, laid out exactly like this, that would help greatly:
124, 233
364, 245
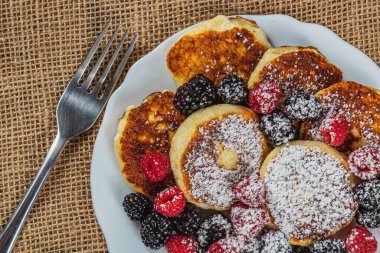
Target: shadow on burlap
41, 44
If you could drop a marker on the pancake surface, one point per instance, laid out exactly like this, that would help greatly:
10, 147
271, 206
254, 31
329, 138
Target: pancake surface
295, 68
214, 148
216, 48
143, 129
359, 103
310, 195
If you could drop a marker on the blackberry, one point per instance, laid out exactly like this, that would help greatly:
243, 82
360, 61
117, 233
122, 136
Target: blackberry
369, 218
330, 246
302, 250
302, 106
253, 246
278, 128
137, 206
275, 242
155, 230
198, 93
188, 221
212, 229
368, 194
233, 90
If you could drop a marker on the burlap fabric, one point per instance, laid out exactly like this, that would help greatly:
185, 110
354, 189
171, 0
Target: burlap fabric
42, 43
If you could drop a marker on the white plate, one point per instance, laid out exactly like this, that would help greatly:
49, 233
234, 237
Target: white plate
150, 74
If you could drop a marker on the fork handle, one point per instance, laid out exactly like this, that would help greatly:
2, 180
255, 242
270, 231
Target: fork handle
12, 229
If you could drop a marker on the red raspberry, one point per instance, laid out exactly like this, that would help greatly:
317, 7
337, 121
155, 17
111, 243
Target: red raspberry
155, 166
365, 162
333, 130
227, 245
360, 240
170, 202
182, 244
247, 221
250, 190
264, 97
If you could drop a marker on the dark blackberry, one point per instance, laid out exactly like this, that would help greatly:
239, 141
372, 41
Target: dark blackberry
368, 194
302, 250
275, 242
233, 90
155, 230
302, 106
200, 79
278, 128
198, 93
368, 218
188, 221
137, 206
253, 246
212, 229
330, 246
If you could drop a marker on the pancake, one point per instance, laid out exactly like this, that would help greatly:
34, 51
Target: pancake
143, 129
359, 103
294, 69
218, 47
309, 191
214, 148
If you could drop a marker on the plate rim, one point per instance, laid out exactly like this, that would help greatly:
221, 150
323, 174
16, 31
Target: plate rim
151, 53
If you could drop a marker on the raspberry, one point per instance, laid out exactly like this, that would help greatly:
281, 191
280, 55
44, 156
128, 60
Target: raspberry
155, 230
277, 128
360, 240
368, 218
198, 93
329, 245
182, 244
302, 106
137, 206
188, 221
250, 190
264, 97
275, 242
365, 162
227, 245
368, 194
212, 229
233, 90
248, 221
155, 166
334, 130
170, 202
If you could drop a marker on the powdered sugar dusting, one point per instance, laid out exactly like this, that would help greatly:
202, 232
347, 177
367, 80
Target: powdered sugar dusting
309, 193
209, 182
359, 104
305, 70
275, 242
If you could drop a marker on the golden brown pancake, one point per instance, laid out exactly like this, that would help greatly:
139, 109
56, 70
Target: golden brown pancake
295, 68
359, 103
143, 129
309, 191
216, 48
213, 149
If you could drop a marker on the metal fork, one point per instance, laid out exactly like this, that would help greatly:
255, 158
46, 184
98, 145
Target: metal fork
77, 111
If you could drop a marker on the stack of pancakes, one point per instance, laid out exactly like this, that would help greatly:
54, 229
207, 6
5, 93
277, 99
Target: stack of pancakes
215, 147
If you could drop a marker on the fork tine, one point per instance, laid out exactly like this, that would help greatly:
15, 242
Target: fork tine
82, 67
120, 69
87, 82
102, 78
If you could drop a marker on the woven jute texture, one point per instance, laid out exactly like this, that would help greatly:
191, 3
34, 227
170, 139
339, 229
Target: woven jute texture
41, 45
